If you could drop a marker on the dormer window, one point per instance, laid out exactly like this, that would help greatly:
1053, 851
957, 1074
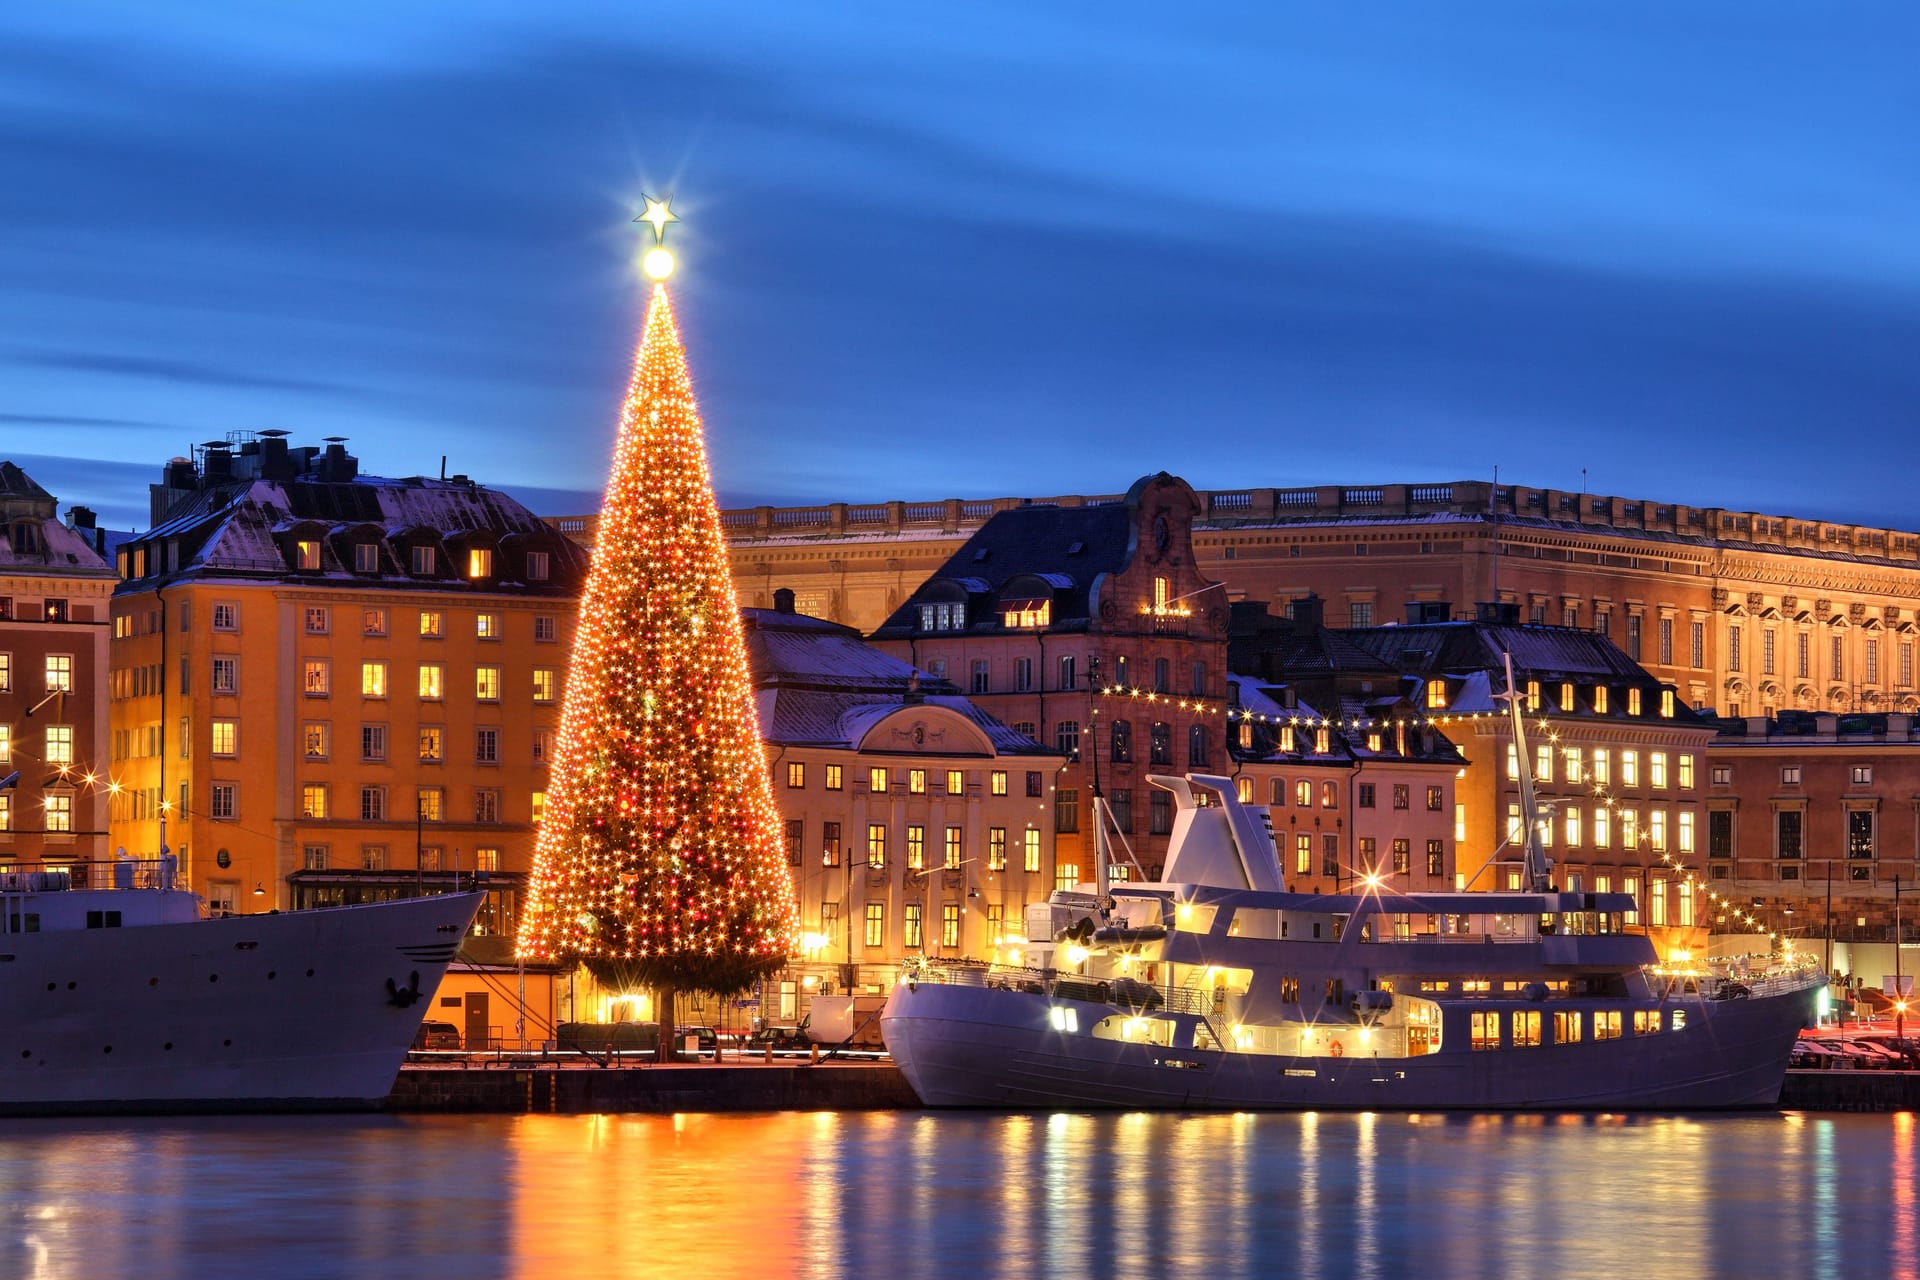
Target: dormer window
537, 562
306, 554
366, 557
1566, 696
1029, 614
1436, 695
1533, 695
1666, 706
422, 561
946, 615
480, 562
1633, 702
1600, 699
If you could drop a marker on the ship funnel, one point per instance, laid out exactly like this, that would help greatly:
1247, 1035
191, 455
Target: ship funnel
1218, 843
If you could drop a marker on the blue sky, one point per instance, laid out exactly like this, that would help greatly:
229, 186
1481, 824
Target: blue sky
977, 250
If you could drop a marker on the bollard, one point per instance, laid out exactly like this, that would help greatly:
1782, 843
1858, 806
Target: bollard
769, 1053
814, 1050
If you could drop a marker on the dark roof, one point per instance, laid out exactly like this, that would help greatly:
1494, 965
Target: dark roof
1473, 652
15, 483
1355, 719
241, 528
818, 683
1038, 542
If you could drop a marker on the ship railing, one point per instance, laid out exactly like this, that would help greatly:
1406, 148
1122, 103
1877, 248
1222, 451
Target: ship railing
59, 877
1131, 992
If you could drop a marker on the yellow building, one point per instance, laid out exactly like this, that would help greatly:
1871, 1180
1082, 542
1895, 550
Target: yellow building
340, 687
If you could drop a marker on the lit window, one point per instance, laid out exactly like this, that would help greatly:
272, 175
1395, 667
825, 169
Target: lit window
956, 782
314, 739
432, 624
1633, 702
432, 680
59, 744
306, 554
59, 673
225, 734
1657, 768
876, 930
877, 781
59, 808
313, 800
834, 775
486, 684
373, 679
1629, 768
480, 562
1436, 694
487, 626
539, 805
318, 680
432, 743
545, 681
373, 622
796, 774
1031, 851
1600, 699
428, 803
916, 847
997, 781
876, 844
996, 848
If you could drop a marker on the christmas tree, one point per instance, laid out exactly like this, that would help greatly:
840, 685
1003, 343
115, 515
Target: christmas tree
659, 860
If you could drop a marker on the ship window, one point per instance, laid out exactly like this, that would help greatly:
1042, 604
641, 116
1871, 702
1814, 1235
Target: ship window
1566, 1027
1485, 1030
1191, 917
1606, 1024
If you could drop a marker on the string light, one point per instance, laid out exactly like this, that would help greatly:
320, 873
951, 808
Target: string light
659, 860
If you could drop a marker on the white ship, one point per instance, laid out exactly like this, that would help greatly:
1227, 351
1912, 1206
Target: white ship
128, 999
1219, 989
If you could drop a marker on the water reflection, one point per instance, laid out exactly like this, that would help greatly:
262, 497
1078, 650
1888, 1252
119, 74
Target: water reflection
972, 1196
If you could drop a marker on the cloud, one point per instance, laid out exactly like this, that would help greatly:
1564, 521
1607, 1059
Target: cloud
82, 423
158, 369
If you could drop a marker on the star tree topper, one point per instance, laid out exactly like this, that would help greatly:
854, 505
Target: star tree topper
657, 262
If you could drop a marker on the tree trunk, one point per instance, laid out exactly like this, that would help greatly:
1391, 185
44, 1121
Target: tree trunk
668, 1049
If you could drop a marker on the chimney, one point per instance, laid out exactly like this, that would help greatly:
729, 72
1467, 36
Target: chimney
783, 600
1500, 613
1419, 611
1308, 612
274, 463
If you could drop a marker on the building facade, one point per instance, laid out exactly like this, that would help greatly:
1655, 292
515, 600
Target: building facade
1091, 630
54, 591
334, 687
916, 824
1357, 782
1618, 761
1741, 611
1814, 819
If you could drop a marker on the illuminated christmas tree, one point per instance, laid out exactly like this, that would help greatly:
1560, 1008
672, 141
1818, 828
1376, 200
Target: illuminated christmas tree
659, 861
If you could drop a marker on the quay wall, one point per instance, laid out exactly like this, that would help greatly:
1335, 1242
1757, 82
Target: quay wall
822, 1087
880, 1087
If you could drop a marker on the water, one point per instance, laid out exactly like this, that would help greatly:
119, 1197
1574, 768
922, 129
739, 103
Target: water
962, 1195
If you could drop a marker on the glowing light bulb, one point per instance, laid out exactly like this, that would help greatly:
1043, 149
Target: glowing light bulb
658, 263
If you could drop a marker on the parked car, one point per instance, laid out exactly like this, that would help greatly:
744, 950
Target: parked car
777, 1039
436, 1035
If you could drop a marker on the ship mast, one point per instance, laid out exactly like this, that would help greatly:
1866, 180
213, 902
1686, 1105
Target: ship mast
1537, 866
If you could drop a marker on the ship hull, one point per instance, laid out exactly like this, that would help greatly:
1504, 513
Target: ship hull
966, 1046
276, 1012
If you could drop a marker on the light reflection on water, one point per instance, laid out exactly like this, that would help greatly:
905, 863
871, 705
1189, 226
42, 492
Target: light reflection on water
972, 1196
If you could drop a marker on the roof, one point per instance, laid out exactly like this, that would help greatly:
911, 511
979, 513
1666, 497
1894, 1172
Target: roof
818, 683
1065, 549
242, 527
1470, 656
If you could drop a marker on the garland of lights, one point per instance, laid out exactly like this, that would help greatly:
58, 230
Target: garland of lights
659, 860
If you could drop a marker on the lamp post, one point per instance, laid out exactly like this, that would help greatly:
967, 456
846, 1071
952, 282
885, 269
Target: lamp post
1899, 983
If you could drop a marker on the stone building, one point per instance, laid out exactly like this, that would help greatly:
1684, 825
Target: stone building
1618, 759
916, 824
1746, 612
1073, 624
54, 591
1812, 820
1357, 782
337, 687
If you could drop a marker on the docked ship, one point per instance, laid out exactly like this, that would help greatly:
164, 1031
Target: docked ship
1217, 988
124, 997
